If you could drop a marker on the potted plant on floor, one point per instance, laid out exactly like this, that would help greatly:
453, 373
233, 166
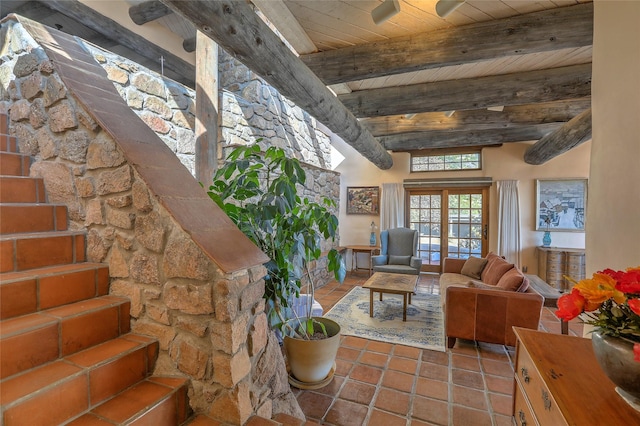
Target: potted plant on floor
259, 192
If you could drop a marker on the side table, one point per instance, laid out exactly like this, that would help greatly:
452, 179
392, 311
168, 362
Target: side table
369, 250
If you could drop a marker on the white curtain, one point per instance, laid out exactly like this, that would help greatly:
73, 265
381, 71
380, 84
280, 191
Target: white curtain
509, 221
392, 206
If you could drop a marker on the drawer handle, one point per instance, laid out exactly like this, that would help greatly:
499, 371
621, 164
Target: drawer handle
523, 421
545, 400
525, 374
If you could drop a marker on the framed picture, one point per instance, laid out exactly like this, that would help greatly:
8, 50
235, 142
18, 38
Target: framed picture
561, 204
363, 200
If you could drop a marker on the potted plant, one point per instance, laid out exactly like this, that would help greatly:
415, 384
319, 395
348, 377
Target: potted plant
259, 192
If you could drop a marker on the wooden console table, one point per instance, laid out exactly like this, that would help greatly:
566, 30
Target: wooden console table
369, 250
559, 382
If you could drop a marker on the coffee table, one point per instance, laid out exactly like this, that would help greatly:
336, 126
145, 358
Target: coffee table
386, 282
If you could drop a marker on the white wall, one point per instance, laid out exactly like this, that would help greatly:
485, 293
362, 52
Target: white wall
613, 211
501, 163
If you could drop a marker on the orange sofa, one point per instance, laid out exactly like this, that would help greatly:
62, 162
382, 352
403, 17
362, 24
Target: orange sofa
480, 309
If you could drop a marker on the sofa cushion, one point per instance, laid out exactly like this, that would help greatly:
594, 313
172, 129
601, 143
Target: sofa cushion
473, 267
399, 260
513, 280
494, 270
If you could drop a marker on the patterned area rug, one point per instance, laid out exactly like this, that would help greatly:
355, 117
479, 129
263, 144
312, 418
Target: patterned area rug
424, 327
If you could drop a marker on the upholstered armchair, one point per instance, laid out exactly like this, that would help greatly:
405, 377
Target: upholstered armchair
398, 252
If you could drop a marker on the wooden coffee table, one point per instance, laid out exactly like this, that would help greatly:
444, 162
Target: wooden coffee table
385, 282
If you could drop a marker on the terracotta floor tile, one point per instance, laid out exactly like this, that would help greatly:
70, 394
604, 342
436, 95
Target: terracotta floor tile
380, 418
38, 378
469, 397
430, 410
343, 367
499, 384
381, 347
92, 420
345, 413
407, 352
434, 371
497, 368
465, 362
374, 359
348, 354
361, 393
500, 420
470, 417
397, 380
131, 401
314, 405
435, 357
393, 401
366, 374
466, 378
332, 388
436, 389
18, 298
501, 404
402, 364
354, 342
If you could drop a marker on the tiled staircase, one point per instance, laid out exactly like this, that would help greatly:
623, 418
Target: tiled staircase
67, 355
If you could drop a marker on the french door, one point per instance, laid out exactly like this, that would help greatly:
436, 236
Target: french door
450, 222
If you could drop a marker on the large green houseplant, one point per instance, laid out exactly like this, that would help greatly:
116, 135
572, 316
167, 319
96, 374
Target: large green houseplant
259, 192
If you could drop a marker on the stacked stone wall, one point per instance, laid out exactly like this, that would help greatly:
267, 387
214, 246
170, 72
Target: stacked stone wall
211, 326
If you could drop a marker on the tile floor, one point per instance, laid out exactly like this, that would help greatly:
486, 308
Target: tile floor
378, 383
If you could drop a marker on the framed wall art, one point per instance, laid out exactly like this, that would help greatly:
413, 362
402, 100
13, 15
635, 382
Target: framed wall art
561, 204
363, 200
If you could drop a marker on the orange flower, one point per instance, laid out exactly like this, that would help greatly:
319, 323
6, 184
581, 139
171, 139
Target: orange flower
634, 304
598, 289
570, 305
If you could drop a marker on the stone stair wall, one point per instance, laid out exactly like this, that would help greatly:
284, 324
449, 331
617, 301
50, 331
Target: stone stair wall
173, 256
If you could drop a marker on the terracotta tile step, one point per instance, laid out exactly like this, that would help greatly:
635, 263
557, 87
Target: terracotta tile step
86, 379
19, 252
7, 143
22, 189
22, 217
12, 164
158, 401
4, 123
35, 339
30, 291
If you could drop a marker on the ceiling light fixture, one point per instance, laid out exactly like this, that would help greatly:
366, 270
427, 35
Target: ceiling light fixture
410, 116
384, 11
449, 113
499, 108
445, 7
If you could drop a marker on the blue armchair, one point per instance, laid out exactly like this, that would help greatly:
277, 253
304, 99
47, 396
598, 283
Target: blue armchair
398, 252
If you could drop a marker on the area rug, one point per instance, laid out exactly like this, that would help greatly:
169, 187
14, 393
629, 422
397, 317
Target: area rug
424, 327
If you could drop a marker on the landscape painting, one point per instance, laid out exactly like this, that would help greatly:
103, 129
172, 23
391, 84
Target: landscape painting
561, 204
363, 200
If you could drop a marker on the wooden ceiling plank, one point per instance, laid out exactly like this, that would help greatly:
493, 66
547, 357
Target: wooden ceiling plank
511, 89
448, 139
535, 32
572, 134
111, 29
281, 17
238, 29
148, 11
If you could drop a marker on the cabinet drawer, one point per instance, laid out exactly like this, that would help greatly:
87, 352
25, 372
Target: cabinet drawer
535, 391
521, 410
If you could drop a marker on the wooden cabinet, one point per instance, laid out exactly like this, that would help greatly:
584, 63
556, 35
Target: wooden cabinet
555, 262
559, 382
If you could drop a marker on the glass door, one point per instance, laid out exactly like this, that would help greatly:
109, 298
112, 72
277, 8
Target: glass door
450, 223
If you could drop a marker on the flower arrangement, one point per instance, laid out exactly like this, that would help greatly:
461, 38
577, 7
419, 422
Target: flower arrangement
615, 295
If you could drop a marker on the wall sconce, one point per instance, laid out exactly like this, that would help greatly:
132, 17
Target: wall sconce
445, 7
384, 11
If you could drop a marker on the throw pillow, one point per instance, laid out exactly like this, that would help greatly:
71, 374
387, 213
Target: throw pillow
495, 270
512, 280
399, 260
473, 267
491, 257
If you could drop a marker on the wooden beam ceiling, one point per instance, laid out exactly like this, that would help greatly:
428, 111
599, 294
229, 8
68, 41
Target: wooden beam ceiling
111, 29
551, 29
572, 134
475, 93
237, 28
148, 11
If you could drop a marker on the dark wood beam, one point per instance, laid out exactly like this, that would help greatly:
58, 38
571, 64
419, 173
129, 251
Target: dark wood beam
236, 27
479, 119
474, 93
111, 29
572, 134
148, 11
447, 139
530, 33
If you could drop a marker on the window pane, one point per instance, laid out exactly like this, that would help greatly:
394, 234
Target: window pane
430, 163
